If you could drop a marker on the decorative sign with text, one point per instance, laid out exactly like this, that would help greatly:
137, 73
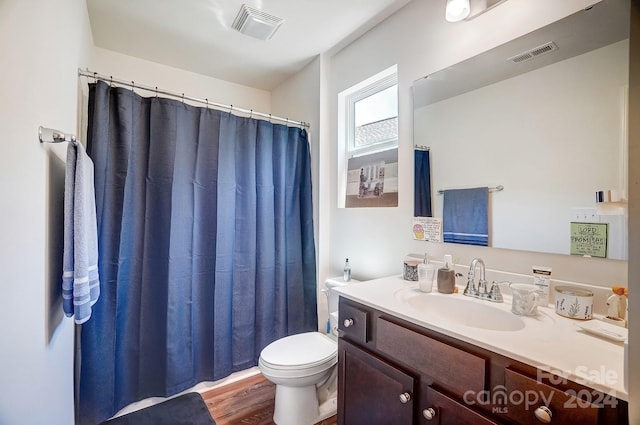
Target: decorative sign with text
589, 239
427, 229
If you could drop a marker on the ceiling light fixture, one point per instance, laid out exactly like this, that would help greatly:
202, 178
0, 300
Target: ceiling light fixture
457, 10
256, 23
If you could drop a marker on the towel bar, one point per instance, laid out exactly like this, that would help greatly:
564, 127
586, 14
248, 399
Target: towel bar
50, 135
491, 189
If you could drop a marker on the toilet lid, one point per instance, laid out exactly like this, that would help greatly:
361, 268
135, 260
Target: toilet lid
300, 350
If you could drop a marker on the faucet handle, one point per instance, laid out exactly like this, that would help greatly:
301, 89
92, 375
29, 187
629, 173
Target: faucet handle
494, 293
469, 290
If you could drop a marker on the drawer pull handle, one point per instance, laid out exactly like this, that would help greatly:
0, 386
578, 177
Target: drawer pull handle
429, 413
543, 414
405, 398
348, 322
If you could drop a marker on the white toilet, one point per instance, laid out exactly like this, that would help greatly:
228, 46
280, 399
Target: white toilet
303, 367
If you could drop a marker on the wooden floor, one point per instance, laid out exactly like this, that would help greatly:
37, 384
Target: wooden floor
245, 402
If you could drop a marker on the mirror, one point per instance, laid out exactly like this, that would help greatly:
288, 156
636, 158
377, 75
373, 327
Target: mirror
544, 116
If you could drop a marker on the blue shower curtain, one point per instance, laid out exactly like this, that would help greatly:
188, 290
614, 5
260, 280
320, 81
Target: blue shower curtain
421, 184
206, 246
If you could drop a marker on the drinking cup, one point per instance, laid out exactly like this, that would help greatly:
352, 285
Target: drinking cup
524, 299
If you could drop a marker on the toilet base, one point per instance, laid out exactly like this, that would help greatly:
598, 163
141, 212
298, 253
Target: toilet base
299, 406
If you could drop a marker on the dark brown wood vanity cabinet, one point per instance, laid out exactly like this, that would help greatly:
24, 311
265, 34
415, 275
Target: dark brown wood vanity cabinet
392, 372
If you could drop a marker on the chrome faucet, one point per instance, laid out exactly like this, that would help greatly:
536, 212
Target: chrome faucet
493, 294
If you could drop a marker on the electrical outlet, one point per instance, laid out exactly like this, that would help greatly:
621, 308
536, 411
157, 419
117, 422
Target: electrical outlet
584, 215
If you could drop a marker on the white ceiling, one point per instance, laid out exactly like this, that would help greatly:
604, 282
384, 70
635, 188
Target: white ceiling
196, 35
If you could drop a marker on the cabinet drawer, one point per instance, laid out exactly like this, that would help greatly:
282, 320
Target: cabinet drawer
352, 322
451, 368
524, 395
448, 411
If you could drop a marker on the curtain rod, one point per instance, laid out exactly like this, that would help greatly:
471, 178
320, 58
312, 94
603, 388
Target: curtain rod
230, 108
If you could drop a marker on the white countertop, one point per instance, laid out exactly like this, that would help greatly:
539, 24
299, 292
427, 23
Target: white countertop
549, 342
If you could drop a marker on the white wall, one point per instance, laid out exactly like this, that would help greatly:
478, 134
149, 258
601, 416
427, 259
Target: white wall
42, 44
420, 41
144, 72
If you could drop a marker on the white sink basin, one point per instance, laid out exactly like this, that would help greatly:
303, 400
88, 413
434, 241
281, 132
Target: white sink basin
463, 311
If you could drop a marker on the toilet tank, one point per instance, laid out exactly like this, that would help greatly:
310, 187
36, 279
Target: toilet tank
332, 299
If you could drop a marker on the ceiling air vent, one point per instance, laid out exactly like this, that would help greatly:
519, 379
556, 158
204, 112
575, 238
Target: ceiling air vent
535, 52
256, 23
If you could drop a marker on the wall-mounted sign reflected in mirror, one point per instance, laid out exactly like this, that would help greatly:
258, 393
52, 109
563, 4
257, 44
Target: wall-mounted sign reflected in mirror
551, 128
589, 239
372, 180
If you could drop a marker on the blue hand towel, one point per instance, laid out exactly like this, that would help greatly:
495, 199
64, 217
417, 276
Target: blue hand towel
80, 282
465, 216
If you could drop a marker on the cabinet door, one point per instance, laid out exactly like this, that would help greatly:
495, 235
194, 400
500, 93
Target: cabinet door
437, 408
371, 391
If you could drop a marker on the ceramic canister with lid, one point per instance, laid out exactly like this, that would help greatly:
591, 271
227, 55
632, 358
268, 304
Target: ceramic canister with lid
410, 269
574, 303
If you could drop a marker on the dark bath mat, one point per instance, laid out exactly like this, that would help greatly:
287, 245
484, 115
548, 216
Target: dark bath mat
187, 409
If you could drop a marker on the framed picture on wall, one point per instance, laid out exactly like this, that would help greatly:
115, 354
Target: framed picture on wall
372, 180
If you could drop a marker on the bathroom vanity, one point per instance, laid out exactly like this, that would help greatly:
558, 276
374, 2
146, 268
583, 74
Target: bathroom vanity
402, 361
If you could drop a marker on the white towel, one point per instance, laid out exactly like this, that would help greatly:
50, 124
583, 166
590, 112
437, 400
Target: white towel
80, 282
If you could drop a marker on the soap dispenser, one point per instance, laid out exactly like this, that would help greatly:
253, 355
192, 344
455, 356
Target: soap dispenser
426, 273
346, 271
447, 276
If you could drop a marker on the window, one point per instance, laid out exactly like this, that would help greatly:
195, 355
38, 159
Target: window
368, 130
372, 115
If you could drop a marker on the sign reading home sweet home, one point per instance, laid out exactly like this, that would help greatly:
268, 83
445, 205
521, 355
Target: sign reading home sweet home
589, 239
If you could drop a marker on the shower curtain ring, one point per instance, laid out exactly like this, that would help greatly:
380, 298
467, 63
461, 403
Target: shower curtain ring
270, 118
182, 97
95, 80
207, 100
251, 113
133, 86
230, 108
111, 81
156, 92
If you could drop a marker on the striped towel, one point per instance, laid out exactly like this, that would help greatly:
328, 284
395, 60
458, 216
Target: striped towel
465, 217
80, 282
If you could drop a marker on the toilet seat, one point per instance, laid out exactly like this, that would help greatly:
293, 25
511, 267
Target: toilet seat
299, 355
